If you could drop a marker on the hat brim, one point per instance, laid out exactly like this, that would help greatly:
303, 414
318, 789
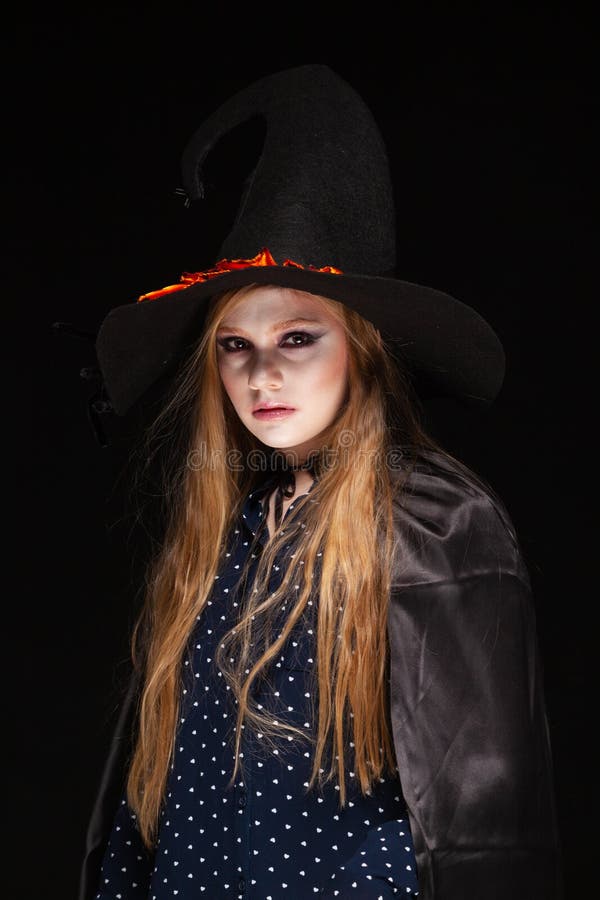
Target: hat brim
445, 343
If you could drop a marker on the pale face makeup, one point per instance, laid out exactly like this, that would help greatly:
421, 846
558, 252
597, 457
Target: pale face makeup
283, 361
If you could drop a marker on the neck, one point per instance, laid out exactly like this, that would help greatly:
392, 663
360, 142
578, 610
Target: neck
291, 464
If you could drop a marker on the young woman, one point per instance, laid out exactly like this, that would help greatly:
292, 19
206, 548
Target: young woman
336, 686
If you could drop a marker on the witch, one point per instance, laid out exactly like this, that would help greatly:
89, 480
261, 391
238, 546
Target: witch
336, 685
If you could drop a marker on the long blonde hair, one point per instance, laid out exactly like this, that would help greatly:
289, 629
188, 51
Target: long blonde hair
344, 546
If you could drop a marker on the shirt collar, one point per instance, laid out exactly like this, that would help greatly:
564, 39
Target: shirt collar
252, 511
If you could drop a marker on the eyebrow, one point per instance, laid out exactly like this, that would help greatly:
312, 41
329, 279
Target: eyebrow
288, 323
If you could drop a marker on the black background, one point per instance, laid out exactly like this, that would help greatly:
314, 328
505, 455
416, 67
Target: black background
491, 125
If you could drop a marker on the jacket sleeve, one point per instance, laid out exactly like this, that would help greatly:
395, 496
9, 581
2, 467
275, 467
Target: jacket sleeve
466, 698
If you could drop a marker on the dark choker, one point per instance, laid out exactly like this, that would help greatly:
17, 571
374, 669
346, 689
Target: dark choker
286, 482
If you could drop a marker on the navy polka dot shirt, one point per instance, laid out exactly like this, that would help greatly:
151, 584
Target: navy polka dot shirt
266, 837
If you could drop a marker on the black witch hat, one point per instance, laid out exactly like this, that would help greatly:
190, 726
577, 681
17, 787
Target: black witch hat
317, 215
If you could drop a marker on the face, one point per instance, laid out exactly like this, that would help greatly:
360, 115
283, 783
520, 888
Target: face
283, 361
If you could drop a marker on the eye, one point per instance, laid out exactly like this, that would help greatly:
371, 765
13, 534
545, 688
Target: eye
299, 339
226, 344
293, 340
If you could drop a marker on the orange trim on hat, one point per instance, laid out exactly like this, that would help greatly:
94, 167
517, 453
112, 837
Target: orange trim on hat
263, 258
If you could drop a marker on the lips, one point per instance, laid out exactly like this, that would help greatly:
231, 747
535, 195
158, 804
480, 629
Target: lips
272, 411
265, 407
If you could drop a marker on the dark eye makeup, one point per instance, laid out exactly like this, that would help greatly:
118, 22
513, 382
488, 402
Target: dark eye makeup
306, 340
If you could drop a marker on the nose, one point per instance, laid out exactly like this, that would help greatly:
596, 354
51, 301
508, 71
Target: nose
264, 372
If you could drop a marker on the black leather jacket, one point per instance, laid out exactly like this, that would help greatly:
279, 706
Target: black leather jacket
467, 702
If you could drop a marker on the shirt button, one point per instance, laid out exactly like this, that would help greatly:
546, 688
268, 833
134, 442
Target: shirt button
242, 885
242, 800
